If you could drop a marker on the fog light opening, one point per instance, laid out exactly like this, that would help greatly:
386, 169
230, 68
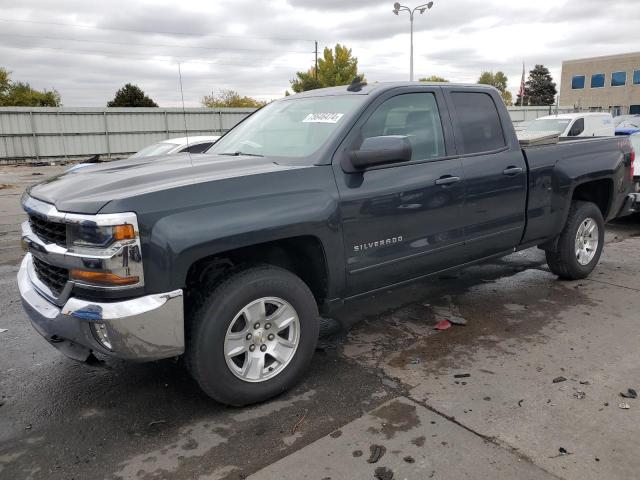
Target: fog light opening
102, 336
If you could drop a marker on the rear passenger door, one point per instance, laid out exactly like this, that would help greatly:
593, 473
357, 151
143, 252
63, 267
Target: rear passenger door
494, 171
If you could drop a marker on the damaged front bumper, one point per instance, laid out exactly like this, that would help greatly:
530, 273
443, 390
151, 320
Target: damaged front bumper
140, 329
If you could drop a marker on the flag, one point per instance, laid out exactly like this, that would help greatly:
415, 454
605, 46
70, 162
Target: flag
521, 92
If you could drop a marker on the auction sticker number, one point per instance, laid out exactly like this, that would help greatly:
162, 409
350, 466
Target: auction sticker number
322, 118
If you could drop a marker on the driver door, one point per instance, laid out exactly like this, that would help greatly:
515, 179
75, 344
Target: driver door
402, 220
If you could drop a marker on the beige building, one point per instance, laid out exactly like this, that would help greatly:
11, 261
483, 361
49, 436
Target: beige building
608, 84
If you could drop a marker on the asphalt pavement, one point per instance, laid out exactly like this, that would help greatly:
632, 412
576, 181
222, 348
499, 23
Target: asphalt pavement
388, 398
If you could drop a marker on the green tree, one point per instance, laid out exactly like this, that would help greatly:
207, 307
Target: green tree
539, 89
131, 96
335, 67
230, 98
20, 94
434, 78
498, 80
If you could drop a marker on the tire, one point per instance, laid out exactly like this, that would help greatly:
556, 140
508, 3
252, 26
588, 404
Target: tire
564, 262
231, 310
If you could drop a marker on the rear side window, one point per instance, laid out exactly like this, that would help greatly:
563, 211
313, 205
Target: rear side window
478, 122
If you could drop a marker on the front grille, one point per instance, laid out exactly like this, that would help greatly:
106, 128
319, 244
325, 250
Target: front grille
48, 231
53, 277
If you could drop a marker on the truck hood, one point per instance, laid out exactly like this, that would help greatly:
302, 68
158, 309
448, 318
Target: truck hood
88, 189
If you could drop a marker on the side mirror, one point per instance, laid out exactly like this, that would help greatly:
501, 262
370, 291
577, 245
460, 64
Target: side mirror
381, 150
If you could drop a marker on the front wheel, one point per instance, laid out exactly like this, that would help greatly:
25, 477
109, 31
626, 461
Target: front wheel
253, 335
580, 243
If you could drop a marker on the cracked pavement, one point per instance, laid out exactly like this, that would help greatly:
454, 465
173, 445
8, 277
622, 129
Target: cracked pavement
385, 388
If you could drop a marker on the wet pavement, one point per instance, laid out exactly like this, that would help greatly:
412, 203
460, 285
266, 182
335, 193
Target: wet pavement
388, 382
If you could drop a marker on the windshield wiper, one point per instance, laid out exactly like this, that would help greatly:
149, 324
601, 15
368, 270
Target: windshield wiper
237, 154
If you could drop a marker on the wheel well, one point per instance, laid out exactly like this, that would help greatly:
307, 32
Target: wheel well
303, 256
598, 192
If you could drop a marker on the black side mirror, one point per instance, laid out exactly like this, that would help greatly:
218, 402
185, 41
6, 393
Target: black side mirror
381, 150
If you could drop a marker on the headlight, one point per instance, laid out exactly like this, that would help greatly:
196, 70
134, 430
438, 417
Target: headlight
91, 235
109, 250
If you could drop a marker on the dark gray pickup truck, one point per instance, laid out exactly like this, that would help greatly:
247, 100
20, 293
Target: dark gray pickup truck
230, 258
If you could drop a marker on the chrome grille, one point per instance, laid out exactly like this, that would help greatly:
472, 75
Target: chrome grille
48, 231
53, 277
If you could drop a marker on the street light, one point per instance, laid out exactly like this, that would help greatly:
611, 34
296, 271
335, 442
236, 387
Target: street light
397, 8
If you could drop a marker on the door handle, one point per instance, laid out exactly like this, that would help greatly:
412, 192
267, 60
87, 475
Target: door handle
511, 171
447, 179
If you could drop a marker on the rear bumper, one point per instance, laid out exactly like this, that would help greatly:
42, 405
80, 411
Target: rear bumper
140, 329
630, 205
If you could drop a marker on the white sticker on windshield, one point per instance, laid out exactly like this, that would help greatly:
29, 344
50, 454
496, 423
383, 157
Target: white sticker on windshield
322, 118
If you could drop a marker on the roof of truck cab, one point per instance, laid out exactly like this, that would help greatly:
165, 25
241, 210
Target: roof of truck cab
378, 87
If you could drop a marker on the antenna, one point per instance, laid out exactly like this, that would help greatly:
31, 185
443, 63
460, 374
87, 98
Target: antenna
184, 113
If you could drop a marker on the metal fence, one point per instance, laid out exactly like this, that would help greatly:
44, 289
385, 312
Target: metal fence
44, 134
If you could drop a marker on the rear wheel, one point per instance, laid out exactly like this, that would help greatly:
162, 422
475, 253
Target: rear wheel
580, 243
253, 335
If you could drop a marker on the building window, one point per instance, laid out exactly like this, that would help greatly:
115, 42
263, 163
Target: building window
597, 80
636, 77
577, 82
618, 79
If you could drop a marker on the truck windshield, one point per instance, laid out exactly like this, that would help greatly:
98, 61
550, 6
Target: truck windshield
557, 125
293, 128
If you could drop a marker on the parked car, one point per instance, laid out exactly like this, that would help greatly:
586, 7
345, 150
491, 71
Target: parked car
196, 144
621, 120
314, 200
575, 125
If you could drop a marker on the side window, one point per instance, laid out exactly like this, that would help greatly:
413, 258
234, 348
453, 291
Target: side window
415, 115
478, 122
577, 128
198, 148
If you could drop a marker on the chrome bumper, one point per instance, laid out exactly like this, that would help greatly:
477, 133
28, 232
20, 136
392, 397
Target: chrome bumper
142, 329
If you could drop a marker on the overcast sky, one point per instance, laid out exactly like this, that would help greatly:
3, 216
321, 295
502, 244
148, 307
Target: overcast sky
87, 50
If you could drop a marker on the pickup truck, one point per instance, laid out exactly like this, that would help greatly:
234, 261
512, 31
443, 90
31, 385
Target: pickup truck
230, 260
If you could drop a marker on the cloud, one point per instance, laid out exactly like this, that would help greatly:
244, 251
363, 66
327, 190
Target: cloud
90, 49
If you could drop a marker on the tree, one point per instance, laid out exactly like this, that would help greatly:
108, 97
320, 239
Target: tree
539, 89
434, 78
20, 94
131, 96
498, 80
230, 98
335, 67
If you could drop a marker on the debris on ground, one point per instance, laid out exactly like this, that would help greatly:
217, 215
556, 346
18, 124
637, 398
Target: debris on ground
559, 379
562, 452
156, 422
585, 382
377, 451
356, 453
409, 459
630, 393
37, 174
462, 375
415, 361
442, 325
579, 395
520, 402
298, 423
5, 185
383, 473
457, 320
2, 330
624, 406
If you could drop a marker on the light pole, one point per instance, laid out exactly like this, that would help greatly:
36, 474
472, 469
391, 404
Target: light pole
397, 8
